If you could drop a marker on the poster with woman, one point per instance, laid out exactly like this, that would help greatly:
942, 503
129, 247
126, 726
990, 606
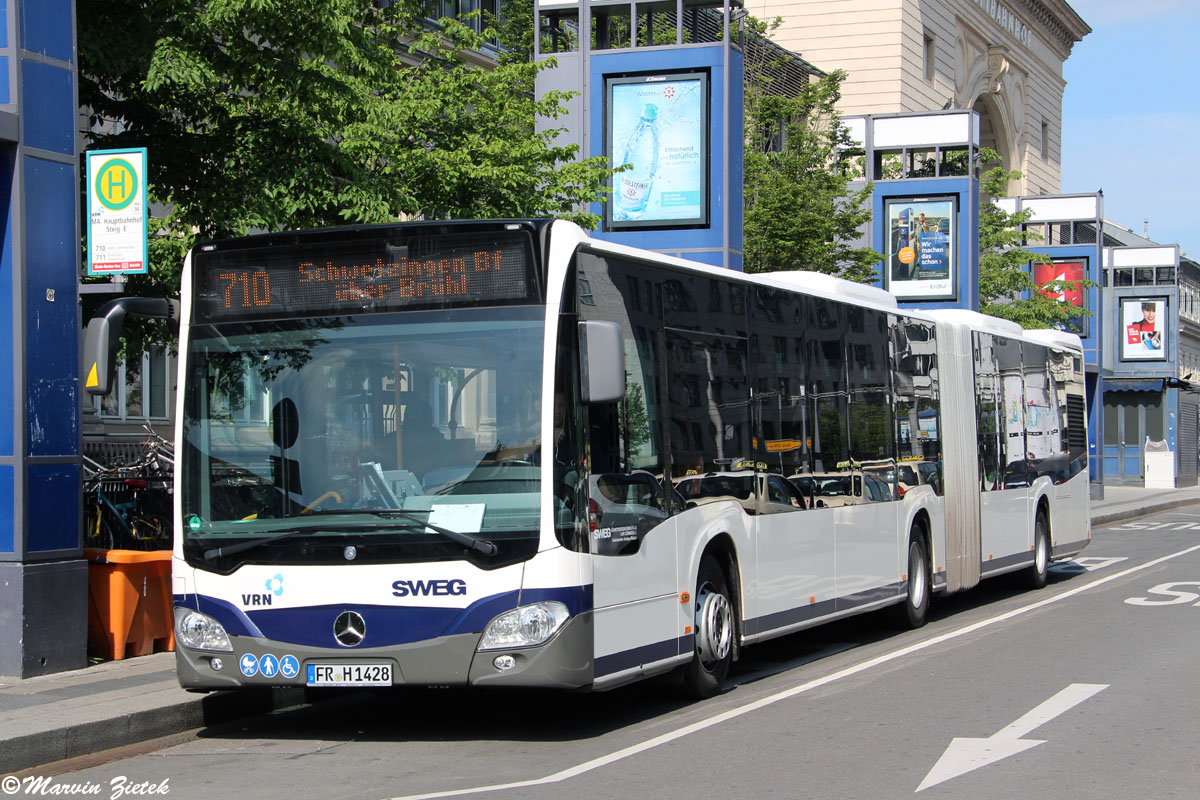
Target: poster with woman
1143, 329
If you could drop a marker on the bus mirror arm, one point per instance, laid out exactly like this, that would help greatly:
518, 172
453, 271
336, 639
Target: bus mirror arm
102, 339
601, 361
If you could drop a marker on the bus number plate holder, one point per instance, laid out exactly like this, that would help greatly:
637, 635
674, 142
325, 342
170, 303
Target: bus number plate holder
349, 675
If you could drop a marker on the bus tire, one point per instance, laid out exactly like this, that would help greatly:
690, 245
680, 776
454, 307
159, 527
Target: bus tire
913, 612
1035, 576
714, 630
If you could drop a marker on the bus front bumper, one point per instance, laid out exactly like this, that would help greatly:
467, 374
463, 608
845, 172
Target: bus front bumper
563, 662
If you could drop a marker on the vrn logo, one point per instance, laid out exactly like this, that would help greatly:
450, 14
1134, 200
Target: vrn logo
274, 586
426, 588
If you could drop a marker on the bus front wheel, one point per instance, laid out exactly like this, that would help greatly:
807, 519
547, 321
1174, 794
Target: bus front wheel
714, 630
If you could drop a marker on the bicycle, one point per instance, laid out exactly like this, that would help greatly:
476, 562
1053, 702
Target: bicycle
140, 519
133, 523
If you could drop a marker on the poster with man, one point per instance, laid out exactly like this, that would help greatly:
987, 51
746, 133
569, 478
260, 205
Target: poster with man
1143, 329
921, 247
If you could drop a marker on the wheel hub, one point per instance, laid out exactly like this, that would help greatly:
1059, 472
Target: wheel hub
714, 626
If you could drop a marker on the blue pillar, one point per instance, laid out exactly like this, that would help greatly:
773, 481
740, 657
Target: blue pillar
43, 579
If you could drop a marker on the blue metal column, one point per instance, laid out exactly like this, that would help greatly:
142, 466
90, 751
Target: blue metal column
43, 580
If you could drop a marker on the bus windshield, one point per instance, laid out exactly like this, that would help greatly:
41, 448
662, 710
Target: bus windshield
358, 437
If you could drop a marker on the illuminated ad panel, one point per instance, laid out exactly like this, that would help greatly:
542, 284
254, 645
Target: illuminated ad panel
1065, 270
658, 125
1143, 331
921, 247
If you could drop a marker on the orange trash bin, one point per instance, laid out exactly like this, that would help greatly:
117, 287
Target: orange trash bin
129, 603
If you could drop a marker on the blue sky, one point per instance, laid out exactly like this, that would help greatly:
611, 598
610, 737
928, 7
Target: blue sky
1131, 115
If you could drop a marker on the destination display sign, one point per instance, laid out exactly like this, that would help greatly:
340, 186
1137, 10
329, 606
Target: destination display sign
371, 275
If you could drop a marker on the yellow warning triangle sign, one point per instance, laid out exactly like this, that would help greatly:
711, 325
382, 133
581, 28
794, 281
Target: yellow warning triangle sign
92, 379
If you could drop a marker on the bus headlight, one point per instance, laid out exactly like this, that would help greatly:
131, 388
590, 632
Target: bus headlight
525, 626
202, 632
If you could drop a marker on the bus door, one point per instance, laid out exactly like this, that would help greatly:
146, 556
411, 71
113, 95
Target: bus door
712, 451
632, 531
795, 550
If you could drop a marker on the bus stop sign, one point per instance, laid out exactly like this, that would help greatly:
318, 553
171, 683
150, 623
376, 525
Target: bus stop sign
116, 196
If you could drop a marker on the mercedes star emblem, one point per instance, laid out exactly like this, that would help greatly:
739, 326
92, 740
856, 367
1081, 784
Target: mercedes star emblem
349, 629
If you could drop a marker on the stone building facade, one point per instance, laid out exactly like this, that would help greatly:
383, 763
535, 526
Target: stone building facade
1002, 58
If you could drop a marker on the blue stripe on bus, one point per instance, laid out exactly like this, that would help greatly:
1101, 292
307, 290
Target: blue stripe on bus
386, 625
1004, 562
794, 616
647, 654
1069, 547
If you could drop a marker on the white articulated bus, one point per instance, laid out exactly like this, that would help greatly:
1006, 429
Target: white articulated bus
506, 454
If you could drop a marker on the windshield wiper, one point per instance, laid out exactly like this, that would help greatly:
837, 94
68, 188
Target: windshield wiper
250, 544
470, 541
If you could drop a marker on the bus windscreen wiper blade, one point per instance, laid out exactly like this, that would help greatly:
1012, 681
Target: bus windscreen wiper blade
470, 541
250, 544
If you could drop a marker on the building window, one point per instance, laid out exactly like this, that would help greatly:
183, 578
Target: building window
475, 14
927, 56
142, 388
1045, 140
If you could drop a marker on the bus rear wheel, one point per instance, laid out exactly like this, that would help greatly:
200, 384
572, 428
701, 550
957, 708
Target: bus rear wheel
714, 630
1035, 576
915, 608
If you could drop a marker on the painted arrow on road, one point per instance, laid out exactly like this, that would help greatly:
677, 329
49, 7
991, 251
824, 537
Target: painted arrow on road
964, 755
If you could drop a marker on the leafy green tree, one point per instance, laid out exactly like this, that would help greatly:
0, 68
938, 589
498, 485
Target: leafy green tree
267, 115
799, 210
1006, 287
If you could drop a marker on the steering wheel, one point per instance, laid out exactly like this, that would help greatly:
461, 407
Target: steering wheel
313, 505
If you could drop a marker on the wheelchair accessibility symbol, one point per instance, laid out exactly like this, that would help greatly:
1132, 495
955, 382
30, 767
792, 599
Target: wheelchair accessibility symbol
289, 667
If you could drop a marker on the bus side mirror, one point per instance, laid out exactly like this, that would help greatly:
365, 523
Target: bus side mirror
602, 361
102, 339
100, 344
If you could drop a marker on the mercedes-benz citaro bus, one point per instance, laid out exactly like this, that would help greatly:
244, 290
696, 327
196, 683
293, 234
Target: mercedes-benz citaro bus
452, 454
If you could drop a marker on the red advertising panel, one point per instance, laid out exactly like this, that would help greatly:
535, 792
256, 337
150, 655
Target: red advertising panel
1061, 271
1073, 295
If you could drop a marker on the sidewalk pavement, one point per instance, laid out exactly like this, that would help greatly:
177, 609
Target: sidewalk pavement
118, 703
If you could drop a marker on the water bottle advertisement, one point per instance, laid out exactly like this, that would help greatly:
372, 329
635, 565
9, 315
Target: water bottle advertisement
921, 247
658, 124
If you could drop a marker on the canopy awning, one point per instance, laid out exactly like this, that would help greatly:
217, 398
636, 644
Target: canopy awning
1133, 385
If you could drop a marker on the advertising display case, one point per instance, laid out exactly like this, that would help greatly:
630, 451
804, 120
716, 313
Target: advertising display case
1070, 271
657, 124
921, 247
1144, 335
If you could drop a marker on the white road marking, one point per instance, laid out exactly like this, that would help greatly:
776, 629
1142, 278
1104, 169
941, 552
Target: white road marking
964, 755
1155, 526
1178, 596
1085, 564
734, 713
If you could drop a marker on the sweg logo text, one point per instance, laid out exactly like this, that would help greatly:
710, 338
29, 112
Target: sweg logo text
426, 588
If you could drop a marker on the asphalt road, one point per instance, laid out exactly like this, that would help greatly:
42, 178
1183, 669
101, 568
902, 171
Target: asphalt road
1089, 688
